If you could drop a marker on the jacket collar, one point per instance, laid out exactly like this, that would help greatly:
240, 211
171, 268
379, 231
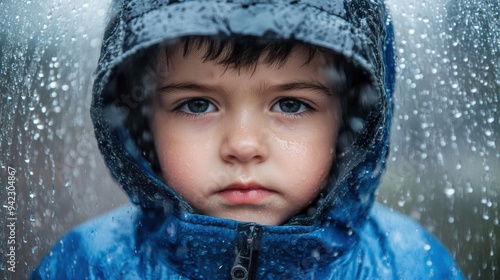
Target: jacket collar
199, 246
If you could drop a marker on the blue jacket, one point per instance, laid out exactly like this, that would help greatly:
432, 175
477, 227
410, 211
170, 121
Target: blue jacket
348, 236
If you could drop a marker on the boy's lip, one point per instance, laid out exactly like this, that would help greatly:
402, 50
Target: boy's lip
245, 194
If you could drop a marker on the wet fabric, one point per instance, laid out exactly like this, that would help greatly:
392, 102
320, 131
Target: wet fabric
347, 236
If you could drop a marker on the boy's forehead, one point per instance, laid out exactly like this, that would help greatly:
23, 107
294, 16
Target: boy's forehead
191, 74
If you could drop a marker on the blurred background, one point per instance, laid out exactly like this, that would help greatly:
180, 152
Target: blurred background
443, 169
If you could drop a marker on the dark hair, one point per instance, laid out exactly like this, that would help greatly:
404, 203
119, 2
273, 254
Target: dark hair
242, 52
239, 53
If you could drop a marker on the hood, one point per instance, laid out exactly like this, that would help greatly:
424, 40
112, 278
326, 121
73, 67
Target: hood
360, 30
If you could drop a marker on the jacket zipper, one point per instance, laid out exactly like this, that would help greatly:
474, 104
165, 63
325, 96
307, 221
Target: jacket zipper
247, 246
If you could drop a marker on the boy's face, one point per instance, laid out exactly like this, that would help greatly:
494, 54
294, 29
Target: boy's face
252, 146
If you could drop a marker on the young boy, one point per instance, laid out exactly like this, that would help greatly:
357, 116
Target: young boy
251, 136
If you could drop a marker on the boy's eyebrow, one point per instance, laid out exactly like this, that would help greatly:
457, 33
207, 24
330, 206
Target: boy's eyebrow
315, 86
300, 85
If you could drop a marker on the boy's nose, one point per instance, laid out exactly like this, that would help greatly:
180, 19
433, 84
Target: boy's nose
244, 140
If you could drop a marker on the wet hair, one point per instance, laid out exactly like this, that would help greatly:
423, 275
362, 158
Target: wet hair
351, 85
242, 52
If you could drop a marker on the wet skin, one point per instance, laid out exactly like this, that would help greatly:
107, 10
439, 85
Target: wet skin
252, 145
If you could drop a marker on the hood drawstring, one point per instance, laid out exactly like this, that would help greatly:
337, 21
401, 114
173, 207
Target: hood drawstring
247, 244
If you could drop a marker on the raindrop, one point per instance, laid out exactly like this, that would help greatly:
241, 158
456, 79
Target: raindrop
449, 192
469, 188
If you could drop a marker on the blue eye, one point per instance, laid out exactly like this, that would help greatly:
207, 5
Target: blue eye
197, 106
290, 106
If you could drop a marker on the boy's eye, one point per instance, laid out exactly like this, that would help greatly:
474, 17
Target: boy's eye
197, 106
290, 106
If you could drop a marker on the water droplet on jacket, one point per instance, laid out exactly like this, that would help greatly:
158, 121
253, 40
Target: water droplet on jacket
171, 230
316, 255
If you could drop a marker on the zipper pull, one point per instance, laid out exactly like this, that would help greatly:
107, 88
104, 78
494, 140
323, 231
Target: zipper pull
247, 246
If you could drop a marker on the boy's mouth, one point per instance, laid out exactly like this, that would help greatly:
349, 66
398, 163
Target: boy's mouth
245, 194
